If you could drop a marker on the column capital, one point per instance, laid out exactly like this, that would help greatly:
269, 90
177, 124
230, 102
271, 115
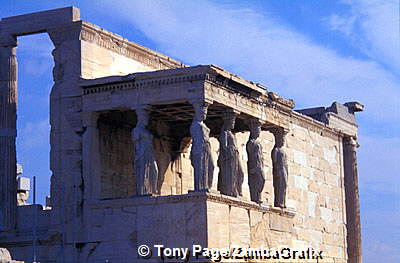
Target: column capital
200, 101
144, 107
231, 111
7, 52
7, 40
253, 123
279, 131
351, 141
60, 34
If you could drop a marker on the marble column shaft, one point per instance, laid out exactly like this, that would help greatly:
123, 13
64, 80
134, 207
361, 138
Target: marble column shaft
352, 200
91, 157
8, 108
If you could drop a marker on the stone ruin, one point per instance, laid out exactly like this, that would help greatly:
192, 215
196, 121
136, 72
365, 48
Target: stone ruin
147, 150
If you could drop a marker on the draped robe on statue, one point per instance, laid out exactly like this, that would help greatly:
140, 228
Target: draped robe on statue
200, 155
231, 175
255, 165
146, 169
280, 176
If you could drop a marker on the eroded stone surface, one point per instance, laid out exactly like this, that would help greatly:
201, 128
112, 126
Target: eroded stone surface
5, 257
100, 80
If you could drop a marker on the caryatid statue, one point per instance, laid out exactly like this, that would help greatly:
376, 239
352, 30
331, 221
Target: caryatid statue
200, 154
279, 168
230, 178
145, 164
255, 161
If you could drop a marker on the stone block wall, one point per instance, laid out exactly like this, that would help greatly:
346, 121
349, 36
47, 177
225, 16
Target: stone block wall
117, 180
119, 226
315, 192
100, 62
106, 54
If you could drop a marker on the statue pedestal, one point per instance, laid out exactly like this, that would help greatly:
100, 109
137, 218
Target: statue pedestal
117, 227
205, 218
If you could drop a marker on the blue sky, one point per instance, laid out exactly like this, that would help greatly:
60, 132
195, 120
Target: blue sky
314, 52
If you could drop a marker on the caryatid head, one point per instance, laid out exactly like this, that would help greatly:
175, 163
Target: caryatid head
143, 116
229, 121
200, 110
255, 129
280, 136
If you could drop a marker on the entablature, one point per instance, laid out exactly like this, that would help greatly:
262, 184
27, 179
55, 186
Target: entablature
204, 82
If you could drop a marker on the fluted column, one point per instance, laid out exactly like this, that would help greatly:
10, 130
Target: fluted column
350, 146
8, 107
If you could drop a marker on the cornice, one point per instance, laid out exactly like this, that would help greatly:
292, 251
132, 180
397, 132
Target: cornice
94, 34
192, 196
143, 83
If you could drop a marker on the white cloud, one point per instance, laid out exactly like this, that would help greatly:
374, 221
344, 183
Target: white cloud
255, 46
34, 55
33, 135
377, 24
379, 170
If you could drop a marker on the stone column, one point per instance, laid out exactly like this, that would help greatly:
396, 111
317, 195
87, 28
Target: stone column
90, 157
279, 168
255, 162
200, 154
66, 130
231, 175
352, 200
8, 108
144, 164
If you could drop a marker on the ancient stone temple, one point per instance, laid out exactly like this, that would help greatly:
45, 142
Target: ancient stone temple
148, 151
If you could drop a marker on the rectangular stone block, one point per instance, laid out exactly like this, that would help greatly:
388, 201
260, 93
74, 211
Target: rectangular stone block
239, 227
218, 222
280, 223
39, 21
23, 184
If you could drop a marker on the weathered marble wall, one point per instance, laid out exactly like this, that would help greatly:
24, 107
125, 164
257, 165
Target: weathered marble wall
100, 62
107, 54
120, 225
116, 157
89, 229
315, 192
